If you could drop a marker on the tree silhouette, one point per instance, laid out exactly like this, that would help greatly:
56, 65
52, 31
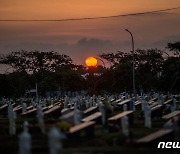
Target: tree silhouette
36, 61
175, 47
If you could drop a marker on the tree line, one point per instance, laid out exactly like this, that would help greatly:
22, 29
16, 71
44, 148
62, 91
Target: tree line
154, 70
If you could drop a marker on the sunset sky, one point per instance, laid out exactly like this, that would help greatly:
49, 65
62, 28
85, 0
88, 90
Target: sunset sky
83, 38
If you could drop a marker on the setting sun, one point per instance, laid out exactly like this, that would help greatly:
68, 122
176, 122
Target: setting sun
91, 61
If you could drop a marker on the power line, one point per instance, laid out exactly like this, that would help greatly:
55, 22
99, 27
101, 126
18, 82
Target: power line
87, 18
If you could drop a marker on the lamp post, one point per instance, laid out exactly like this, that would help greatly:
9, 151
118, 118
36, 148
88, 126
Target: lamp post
37, 98
133, 72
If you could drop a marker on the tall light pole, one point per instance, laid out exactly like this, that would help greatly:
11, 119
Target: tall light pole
133, 71
37, 98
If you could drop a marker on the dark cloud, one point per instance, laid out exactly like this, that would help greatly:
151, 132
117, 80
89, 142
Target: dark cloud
78, 51
163, 43
93, 42
85, 47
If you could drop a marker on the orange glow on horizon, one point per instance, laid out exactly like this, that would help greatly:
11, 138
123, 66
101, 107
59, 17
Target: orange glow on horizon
91, 62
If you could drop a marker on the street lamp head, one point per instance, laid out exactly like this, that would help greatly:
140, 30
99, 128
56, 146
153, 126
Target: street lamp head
127, 30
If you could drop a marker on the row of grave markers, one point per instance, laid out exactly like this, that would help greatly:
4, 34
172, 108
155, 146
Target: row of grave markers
77, 113
71, 106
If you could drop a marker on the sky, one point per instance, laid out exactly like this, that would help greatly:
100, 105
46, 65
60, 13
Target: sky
83, 38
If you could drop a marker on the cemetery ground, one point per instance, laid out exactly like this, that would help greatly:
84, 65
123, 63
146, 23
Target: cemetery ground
98, 138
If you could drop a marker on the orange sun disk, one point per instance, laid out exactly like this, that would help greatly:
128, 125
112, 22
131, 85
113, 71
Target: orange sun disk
91, 62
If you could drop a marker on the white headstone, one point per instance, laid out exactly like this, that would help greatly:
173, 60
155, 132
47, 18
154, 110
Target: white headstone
77, 116
55, 137
144, 104
147, 114
125, 125
127, 96
174, 103
24, 106
114, 103
156, 95
110, 105
25, 141
12, 118
94, 102
91, 102
34, 103
87, 103
26, 124
162, 97
125, 107
40, 116
102, 109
